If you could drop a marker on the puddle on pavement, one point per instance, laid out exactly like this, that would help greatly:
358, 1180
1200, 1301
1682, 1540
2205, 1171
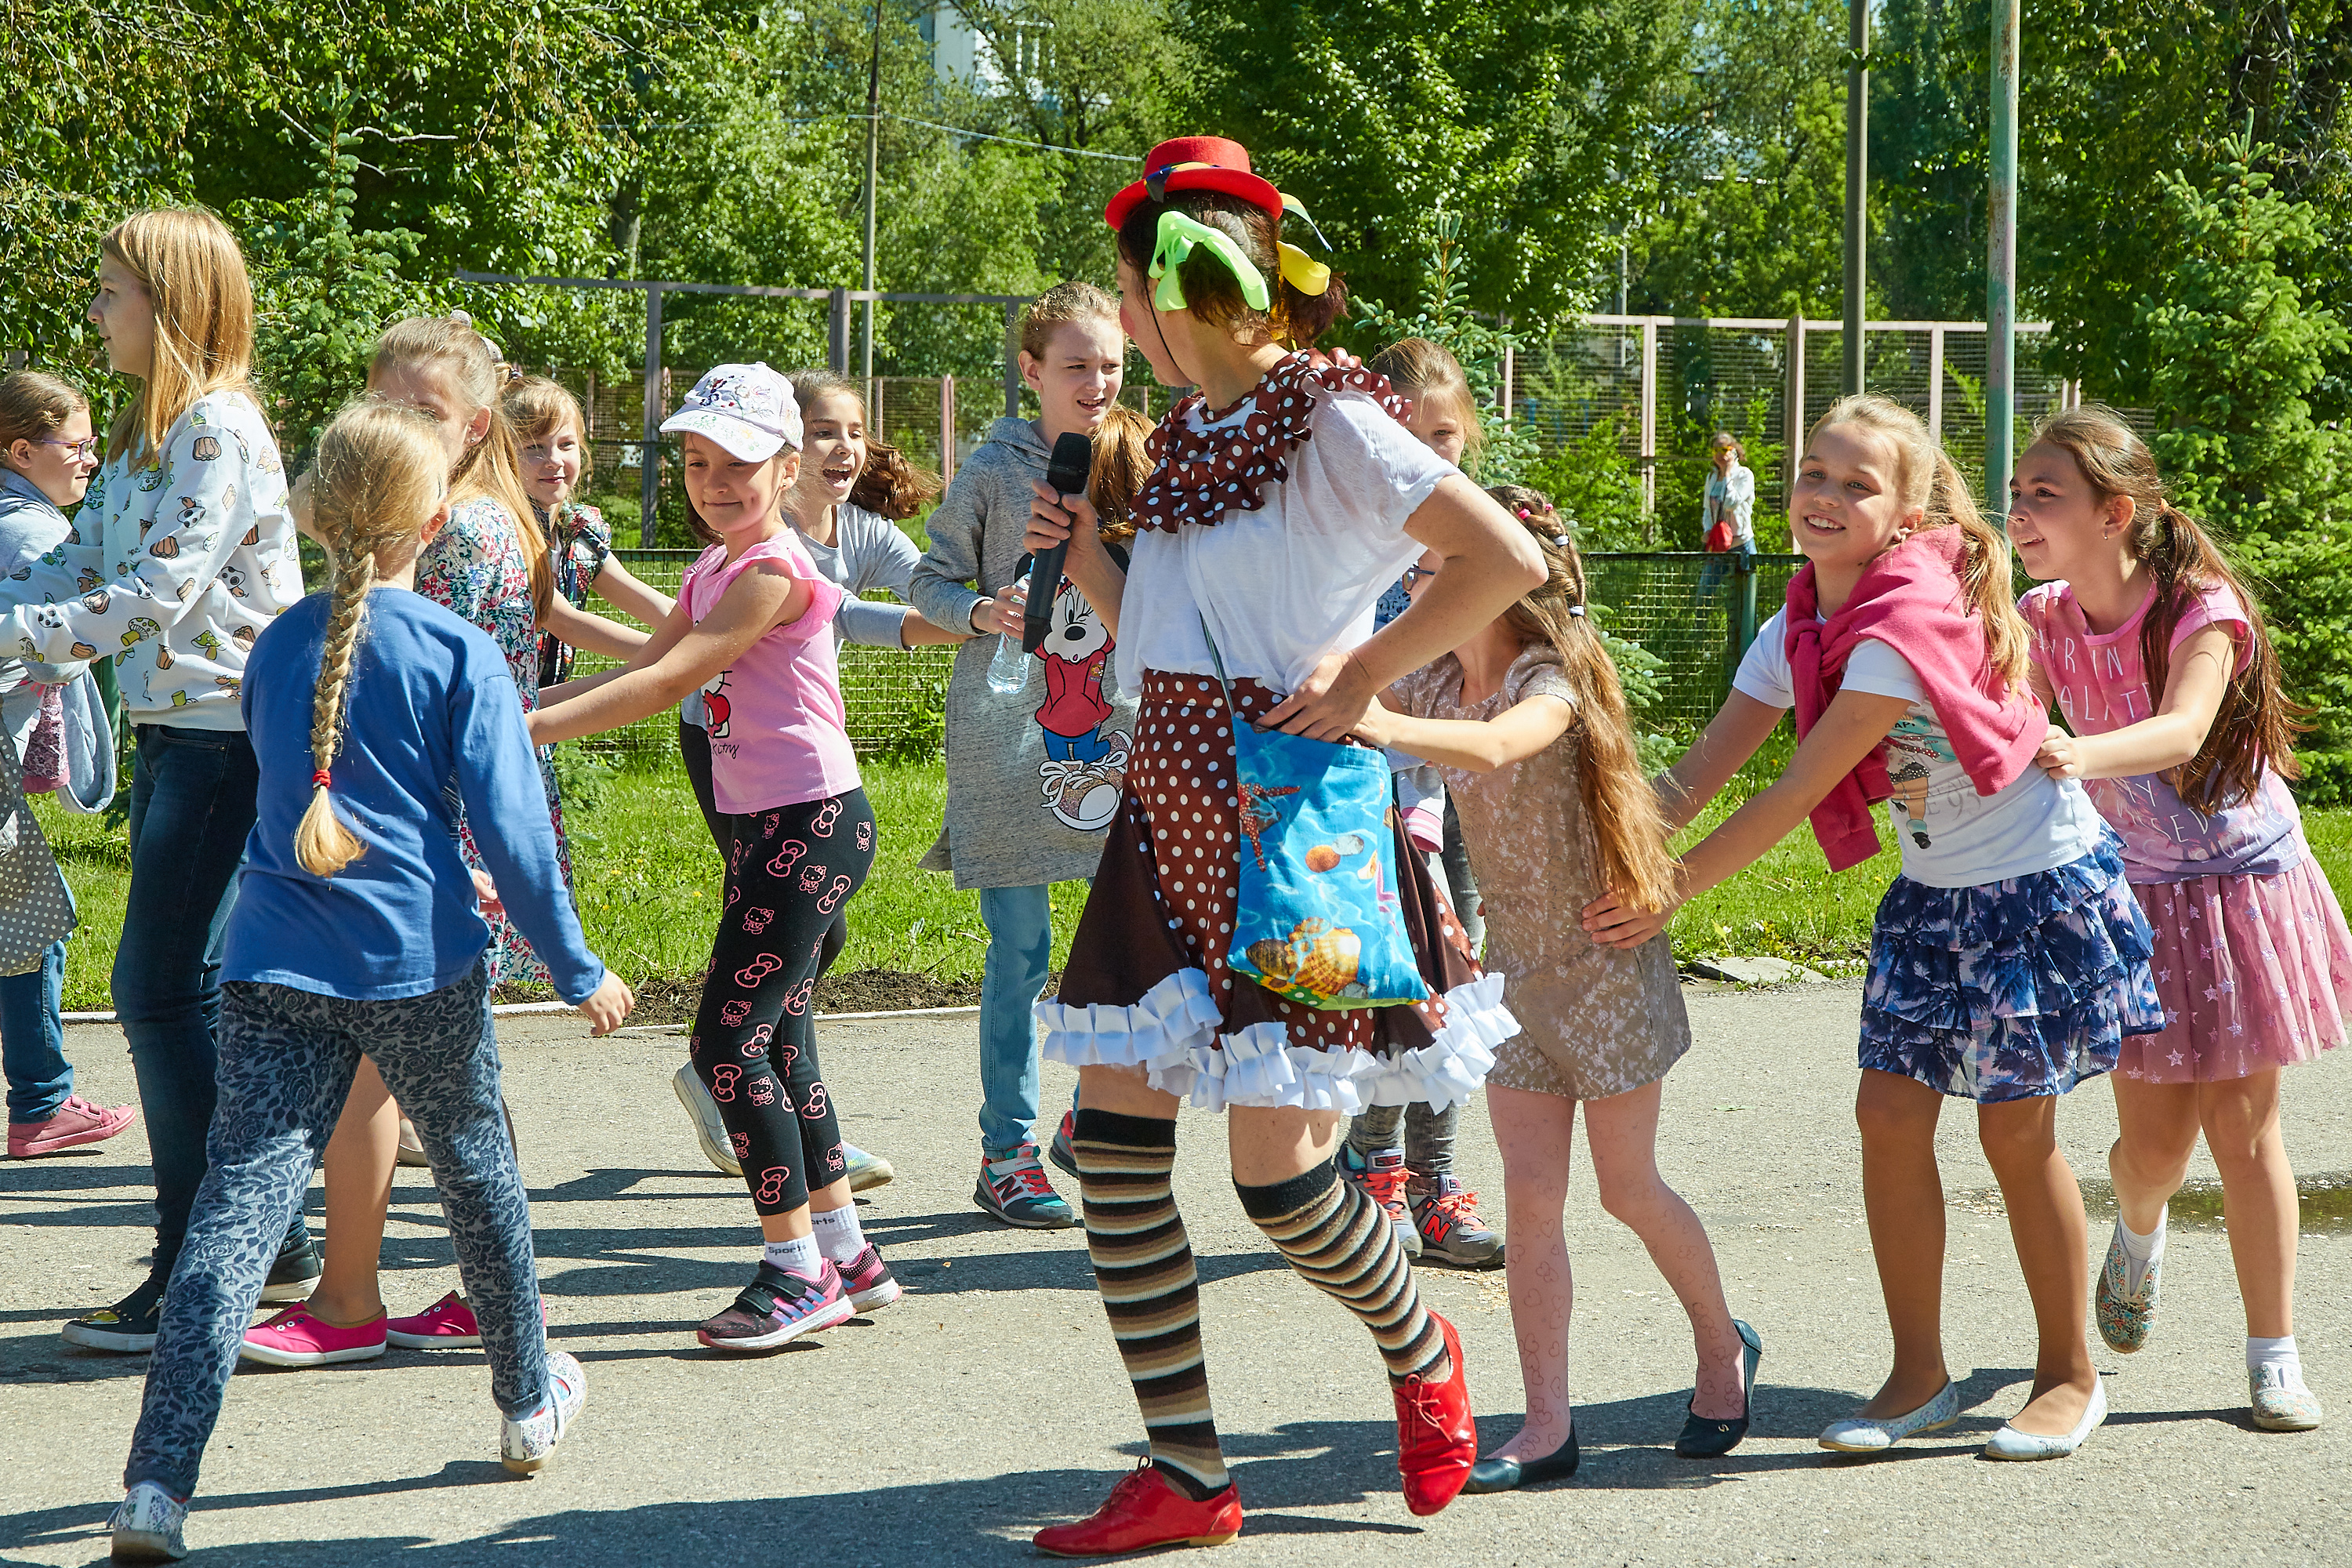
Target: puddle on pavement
2324, 1202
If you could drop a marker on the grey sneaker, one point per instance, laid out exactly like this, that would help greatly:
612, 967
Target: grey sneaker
147, 1527
525, 1446
867, 1170
703, 1111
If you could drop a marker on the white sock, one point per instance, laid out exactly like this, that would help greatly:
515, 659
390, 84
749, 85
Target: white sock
799, 1255
837, 1234
2280, 1353
2144, 1251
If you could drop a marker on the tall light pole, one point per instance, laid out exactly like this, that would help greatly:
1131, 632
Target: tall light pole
1857, 184
872, 179
2001, 262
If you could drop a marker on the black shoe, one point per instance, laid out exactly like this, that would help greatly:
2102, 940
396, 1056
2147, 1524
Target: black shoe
127, 1327
1706, 1438
1510, 1474
295, 1274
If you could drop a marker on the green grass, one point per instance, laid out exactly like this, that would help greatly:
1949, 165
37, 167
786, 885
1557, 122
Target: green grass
648, 885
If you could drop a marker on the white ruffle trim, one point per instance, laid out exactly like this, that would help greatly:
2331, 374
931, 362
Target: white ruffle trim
1172, 1033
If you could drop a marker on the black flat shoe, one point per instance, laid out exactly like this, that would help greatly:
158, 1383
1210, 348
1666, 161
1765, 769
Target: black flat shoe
1510, 1474
1704, 1438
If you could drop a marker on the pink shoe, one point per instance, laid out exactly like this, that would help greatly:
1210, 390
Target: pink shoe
447, 1325
75, 1122
295, 1338
868, 1282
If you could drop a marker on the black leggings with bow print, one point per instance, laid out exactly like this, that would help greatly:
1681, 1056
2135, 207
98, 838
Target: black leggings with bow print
789, 872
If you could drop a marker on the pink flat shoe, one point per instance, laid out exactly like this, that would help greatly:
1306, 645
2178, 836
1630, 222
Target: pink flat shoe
295, 1338
75, 1122
447, 1325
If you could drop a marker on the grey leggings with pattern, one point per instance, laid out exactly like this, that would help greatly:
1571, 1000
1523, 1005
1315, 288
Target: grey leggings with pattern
286, 1058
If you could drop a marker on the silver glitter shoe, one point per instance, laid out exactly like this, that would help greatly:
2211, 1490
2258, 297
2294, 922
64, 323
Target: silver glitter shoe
1875, 1434
2008, 1443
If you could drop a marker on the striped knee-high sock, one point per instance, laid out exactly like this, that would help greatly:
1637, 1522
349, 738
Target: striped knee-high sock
1345, 1246
1143, 1266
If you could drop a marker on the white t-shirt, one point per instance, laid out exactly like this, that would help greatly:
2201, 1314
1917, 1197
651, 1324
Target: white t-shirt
1285, 585
1951, 835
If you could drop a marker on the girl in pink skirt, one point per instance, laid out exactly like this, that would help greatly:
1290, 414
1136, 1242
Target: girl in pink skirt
2157, 657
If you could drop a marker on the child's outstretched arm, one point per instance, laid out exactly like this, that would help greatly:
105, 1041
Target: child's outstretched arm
1854, 725
2194, 685
1476, 745
1699, 775
621, 589
569, 623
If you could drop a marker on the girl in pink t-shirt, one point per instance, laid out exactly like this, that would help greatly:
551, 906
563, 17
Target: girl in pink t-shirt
753, 632
2156, 656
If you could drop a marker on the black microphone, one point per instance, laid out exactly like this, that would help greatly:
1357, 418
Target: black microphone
1073, 460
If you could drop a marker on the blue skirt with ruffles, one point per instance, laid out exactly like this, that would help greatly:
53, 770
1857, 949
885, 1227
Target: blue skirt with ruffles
2010, 989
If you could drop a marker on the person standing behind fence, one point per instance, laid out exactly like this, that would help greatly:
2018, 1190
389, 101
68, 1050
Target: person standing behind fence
852, 491
1727, 511
183, 551
1435, 1216
2007, 961
53, 714
2253, 960
753, 630
1034, 776
550, 435
357, 933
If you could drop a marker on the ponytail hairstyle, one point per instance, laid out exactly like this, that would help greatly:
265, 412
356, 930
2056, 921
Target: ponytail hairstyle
1419, 369
34, 405
1120, 464
195, 275
2258, 722
888, 485
1932, 484
379, 480
1215, 296
467, 367
537, 409
1618, 799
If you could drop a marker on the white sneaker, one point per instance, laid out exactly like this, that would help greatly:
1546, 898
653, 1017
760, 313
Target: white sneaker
703, 1111
525, 1446
2008, 1443
147, 1527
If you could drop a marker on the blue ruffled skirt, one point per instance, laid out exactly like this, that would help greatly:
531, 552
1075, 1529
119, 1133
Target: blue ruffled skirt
2010, 989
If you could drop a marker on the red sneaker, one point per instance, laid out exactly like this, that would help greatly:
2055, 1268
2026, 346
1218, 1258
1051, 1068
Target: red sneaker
1143, 1511
77, 1122
1437, 1442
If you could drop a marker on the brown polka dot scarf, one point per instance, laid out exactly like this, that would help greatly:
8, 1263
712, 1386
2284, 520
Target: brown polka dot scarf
1199, 476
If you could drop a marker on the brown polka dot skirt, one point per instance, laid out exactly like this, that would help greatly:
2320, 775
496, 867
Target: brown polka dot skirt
1146, 982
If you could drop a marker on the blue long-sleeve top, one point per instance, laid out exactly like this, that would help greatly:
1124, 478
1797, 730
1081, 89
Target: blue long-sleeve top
432, 719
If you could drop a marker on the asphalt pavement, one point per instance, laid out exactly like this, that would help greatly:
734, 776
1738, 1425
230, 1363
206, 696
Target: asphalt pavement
948, 1427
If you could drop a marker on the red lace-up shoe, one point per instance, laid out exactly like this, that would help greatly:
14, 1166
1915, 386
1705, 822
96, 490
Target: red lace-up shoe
1436, 1440
1144, 1511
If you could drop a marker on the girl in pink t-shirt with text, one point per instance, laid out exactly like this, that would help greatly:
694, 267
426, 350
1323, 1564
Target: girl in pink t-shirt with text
753, 632
2155, 655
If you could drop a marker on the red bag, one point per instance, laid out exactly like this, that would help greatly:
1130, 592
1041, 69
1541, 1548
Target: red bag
1723, 535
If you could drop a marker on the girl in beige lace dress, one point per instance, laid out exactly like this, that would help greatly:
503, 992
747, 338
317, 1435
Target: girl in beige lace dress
1528, 722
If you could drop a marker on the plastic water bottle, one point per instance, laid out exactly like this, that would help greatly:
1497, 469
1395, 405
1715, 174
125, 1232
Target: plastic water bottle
1008, 672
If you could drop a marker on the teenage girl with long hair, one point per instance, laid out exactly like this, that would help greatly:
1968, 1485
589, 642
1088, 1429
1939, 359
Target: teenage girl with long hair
2153, 651
2008, 963
1528, 722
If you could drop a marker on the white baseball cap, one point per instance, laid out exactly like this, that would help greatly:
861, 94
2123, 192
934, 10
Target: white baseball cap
748, 409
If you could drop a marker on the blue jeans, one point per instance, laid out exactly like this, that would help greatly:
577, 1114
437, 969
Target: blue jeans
32, 1038
286, 1058
1020, 922
191, 808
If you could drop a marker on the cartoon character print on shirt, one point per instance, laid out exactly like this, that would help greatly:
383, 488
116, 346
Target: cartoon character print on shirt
1914, 748
719, 709
1085, 762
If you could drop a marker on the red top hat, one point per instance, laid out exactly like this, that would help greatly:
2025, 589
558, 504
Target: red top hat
1196, 163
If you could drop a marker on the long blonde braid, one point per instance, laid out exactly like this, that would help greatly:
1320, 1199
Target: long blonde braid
378, 480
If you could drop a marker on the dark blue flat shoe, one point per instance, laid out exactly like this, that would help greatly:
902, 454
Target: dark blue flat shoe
1510, 1474
1704, 1438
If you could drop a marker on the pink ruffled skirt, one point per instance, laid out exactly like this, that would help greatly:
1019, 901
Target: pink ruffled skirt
2254, 973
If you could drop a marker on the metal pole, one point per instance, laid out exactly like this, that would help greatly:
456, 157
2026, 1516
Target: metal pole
872, 178
1649, 424
1792, 417
1011, 361
1857, 186
650, 453
2001, 268
836, 331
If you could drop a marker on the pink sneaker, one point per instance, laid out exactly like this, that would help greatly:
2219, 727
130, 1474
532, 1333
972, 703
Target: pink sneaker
75, 1122
295, 1338
447, 1325
868, 1281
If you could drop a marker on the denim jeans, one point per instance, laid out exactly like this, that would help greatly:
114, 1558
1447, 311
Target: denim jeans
33, 1039
1020, 922
191, 808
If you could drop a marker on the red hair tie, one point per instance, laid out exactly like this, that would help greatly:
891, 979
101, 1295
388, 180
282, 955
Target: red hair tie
319, 780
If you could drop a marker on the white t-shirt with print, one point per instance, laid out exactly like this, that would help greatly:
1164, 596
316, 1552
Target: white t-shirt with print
1951, 835
1285, 585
